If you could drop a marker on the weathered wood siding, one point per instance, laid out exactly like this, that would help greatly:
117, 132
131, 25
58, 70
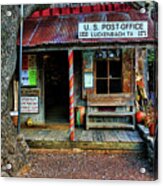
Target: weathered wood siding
128, 70
78, 79
88, 60
39, 118
142, 66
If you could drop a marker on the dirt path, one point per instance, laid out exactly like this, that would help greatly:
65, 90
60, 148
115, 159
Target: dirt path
88, 165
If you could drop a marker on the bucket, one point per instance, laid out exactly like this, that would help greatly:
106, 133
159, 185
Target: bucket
14, 117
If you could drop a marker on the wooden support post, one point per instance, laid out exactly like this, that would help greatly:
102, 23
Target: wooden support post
71, 95
20, 67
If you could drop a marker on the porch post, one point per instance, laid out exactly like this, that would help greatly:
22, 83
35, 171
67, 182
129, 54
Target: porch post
71, 95
20, 67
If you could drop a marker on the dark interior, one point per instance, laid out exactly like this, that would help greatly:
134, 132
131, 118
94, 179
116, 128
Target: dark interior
102, 77
115, 69
115, 76
101, 69
56, 87
108, 76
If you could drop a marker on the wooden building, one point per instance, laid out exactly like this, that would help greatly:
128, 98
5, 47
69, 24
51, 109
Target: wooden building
85, 56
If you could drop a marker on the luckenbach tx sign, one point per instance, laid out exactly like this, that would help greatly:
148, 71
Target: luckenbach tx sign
125, 29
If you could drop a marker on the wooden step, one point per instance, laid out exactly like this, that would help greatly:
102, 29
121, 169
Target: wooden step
111, 113
111, 146
110, 125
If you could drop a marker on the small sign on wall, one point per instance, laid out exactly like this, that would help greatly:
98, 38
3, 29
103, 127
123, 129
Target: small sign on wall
30, 92
29, 71
29, 104
88, 80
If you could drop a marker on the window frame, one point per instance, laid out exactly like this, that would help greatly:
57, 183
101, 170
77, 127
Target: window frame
108, 78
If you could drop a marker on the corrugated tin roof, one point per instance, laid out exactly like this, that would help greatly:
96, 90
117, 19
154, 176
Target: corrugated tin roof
63, 29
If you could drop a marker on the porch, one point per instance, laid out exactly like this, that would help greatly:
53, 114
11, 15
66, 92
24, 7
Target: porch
57, 137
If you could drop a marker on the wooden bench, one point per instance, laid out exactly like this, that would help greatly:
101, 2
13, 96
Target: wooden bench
99, 106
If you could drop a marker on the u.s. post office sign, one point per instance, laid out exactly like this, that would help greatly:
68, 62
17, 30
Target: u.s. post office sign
118, 29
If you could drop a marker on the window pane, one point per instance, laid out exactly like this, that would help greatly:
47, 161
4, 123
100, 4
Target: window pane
101, 69
115, 86
115, 68
102, 86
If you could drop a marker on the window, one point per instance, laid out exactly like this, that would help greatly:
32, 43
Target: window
102, 77
108, 75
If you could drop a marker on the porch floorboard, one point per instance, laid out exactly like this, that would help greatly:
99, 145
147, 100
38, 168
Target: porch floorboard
58, 138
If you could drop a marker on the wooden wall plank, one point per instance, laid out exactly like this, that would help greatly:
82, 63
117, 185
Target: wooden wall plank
127, 69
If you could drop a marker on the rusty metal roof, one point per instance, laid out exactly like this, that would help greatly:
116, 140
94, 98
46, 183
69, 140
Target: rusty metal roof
63, 29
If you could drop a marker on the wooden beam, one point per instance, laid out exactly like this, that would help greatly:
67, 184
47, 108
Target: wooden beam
87, 47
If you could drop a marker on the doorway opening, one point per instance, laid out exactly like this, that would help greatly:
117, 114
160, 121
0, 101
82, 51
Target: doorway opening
56, 87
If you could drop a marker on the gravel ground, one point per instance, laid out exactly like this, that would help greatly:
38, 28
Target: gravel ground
88, 165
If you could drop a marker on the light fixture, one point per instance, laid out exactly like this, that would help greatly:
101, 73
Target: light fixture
118, 52
142, 10
111, 54
45, 57
8, 13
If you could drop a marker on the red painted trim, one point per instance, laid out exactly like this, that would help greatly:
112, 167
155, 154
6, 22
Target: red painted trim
56, 11
75, 10
36, 14
86, 9
96, 8
103, 7
46, 12
82, 9
65, 11
109, 7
